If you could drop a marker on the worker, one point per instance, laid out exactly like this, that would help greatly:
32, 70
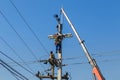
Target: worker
58, 40
52, 55
52, 60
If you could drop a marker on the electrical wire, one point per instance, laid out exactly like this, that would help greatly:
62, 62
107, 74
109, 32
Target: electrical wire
10, 72
98, 54
109, 53
18, 35
79, 63
14, 75
17, 63
15, 53
20, 38
24, 20
73, 58
9, 68
24, 63
106, 60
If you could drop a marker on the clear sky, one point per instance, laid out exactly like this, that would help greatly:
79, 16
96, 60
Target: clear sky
97, 22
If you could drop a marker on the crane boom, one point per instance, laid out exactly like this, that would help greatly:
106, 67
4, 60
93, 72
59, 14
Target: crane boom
95, 68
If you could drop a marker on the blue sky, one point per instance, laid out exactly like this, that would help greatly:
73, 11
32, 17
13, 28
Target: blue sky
97, 22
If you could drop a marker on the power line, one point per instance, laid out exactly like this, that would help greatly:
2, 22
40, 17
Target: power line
98, 54
13, 71
20, 37
14, 52
106, 60
24, 63
18, 34
108, 53
17, 63
24, 20
78, 63
73, 58
15, 75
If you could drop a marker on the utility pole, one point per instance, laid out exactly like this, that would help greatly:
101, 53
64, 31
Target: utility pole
56, 62
58, 43
59, 51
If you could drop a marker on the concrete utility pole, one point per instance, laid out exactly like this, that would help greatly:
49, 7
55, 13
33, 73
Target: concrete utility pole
56, 62
58, 43
59, 29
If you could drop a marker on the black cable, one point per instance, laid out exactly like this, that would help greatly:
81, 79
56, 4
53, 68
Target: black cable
109, 53
15, 75
24, 20
18, 35
24, 63
15, 52
100, 54
17, 63
78, 63
106, 60
9, 68
73, 58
